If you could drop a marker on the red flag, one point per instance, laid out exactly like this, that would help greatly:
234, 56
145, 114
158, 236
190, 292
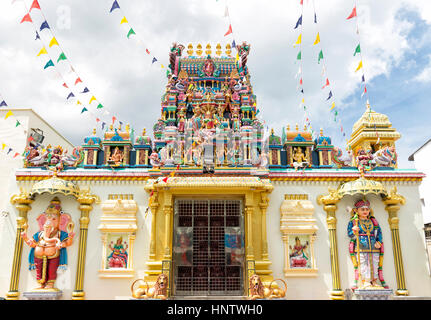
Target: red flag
353, 14
30, 139
113, 119
300, 81
16, 155
326, 84
35, 5
65, 85
77, 81
165, 179
229, 31
302, 2
26, 18
147, 51
97, 119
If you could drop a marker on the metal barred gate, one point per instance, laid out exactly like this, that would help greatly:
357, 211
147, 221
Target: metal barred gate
208, 248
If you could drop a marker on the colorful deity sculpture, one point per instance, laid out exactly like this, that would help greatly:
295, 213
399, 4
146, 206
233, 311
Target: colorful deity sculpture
366, 247
118, 255
364, 161
298, 257
48, 245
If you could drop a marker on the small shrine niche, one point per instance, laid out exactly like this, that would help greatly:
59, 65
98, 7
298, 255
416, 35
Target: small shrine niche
274, 150
143, 150
118, 226
92, 147
298, 227
117, 145
324, 148
298, 146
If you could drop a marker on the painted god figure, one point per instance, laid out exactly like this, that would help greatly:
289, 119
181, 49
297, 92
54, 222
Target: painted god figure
118, 256
298, 256
366, 247
48, 245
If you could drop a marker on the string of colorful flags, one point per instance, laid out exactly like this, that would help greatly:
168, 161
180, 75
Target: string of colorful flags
9, 116
45, 31
299, 74
326, 83
358, 51
131, 32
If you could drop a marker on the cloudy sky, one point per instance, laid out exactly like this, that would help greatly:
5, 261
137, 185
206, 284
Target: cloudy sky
395, 40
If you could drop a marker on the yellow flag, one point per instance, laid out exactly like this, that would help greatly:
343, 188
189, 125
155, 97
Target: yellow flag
8, 114
333, 106
162, 66
237, 56
53, 42
297, 41
359, 66
3, 146
42, 51
303, 101
92, 99
317, 39
78, 102
124, 20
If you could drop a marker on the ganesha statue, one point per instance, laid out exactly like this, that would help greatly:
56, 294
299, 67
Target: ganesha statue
48, 246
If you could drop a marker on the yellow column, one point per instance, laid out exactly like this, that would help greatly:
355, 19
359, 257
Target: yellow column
22, 203
168, 210
392, 207
85, 200
249, 210
330, 206
154, 205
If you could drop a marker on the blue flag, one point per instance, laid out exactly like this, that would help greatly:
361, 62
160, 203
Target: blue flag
114, 6
103, 125
85, 90
233, 44
154, 60
44, 26
299, 22
70, 95
37, 36
330, 95
3, 104
315, 18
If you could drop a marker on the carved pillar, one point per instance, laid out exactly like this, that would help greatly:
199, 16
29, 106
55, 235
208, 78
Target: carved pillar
263, 206
22, 203
329, 203
168, 211
392, 203
153, 206
248, 226
85, 201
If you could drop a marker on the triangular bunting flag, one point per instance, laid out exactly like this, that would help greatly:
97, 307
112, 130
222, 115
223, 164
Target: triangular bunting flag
16, 154
3, 104
299, 22
229, 31
92, 99
364, 92
357, 50
298, 57
65, 85
124, 20
3, 146
326, 84
363, 78
333, 106
49, 64
353, 14
78, 102
34, 5
359, 66
226, 12
99, 106
103, 125
37, 36
315, 18
317, 39
154, 60
10, 149
42, 51
85, 90
148, 51
130, 32
8, 114
114, 6
70, 95
113, 119
330, 95
78, 80
26, 18
298, 41
17, 123
84, 109
53, 42
44, 25
61, 57
233, 43
320, 56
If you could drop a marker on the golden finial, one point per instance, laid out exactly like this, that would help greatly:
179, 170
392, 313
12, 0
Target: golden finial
297, 127
272, 131
144, 132
228, 49
199, 49
321, 132
208, 51
190, 49
288, 127
111, 127
94, 131
218, 49
305, 127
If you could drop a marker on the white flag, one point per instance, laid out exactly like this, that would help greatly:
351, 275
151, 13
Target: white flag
226, 12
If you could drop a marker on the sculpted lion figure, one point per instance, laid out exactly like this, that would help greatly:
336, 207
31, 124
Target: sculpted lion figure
158, 291
259, 291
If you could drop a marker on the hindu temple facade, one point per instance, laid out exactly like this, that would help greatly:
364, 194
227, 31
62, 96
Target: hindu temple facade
211, 200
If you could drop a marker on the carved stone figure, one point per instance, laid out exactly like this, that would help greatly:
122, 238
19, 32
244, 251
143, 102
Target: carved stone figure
366, 247
117, 157
299, 159
48, 245
385, 157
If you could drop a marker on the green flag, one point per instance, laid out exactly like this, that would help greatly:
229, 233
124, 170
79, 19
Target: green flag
49, 64
299, 56
83, 110
99, 106
61, 57
357, 50
17, 123
320, 56
130, 32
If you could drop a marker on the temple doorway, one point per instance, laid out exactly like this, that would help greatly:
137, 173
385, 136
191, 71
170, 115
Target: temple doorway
208, 247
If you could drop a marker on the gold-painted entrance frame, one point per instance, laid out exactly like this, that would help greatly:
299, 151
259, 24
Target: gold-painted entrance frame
22, 202
253, 190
